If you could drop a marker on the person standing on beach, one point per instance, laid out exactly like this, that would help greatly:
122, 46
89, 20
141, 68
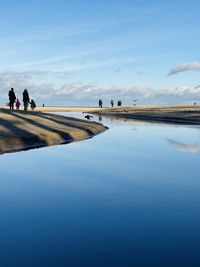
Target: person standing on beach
119, 103
100, 103
112, 103
18, 104
26, 99
33, 105
12, 98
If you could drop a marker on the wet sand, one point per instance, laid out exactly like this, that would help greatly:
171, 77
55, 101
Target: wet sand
171, 114
21, 130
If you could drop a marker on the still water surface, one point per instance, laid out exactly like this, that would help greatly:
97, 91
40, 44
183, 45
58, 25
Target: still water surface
127, 197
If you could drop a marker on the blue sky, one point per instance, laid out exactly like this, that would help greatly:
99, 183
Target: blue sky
74, 52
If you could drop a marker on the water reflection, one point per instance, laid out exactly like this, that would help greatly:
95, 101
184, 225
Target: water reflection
188, 148
121, 199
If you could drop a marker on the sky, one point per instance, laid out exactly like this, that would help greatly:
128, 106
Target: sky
73, 52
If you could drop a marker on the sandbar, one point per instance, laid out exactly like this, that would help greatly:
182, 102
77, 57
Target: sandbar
20, 130
183, 114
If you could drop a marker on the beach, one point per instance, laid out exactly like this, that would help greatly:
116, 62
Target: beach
21, 130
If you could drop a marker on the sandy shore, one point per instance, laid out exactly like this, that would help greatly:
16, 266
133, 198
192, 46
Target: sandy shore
65, 109
21, 130
59, 109
172, 114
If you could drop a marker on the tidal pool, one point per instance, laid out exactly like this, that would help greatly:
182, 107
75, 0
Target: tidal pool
127, 197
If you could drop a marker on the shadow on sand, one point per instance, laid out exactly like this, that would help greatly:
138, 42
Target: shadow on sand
21, 130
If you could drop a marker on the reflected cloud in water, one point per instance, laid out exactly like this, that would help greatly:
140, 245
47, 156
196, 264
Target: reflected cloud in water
187, 148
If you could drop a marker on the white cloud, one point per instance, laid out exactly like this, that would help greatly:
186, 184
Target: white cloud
181, 91
94, 91
194, 65
39, 87
188, 148
16, 77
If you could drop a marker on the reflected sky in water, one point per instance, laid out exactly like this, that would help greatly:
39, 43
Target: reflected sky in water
127, 197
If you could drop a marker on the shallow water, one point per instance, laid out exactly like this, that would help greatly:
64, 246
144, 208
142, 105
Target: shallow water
127, 197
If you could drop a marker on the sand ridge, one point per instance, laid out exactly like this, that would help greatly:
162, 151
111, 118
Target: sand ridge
21, 130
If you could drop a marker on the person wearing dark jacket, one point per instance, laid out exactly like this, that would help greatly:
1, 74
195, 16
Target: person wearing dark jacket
119, 103
26, 99
12, 98
100, 103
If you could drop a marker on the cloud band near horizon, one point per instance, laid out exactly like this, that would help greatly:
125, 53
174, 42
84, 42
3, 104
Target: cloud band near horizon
40, 88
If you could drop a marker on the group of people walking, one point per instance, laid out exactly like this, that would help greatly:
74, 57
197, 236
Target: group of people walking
119, 103
26, 100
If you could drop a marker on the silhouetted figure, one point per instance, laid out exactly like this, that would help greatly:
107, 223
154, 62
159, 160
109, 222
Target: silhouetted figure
195, 103
26, 99
88, 117
43, 105
18, 104
12, 98
119, 103
100, 103
112, 103
135, 100
33, 105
